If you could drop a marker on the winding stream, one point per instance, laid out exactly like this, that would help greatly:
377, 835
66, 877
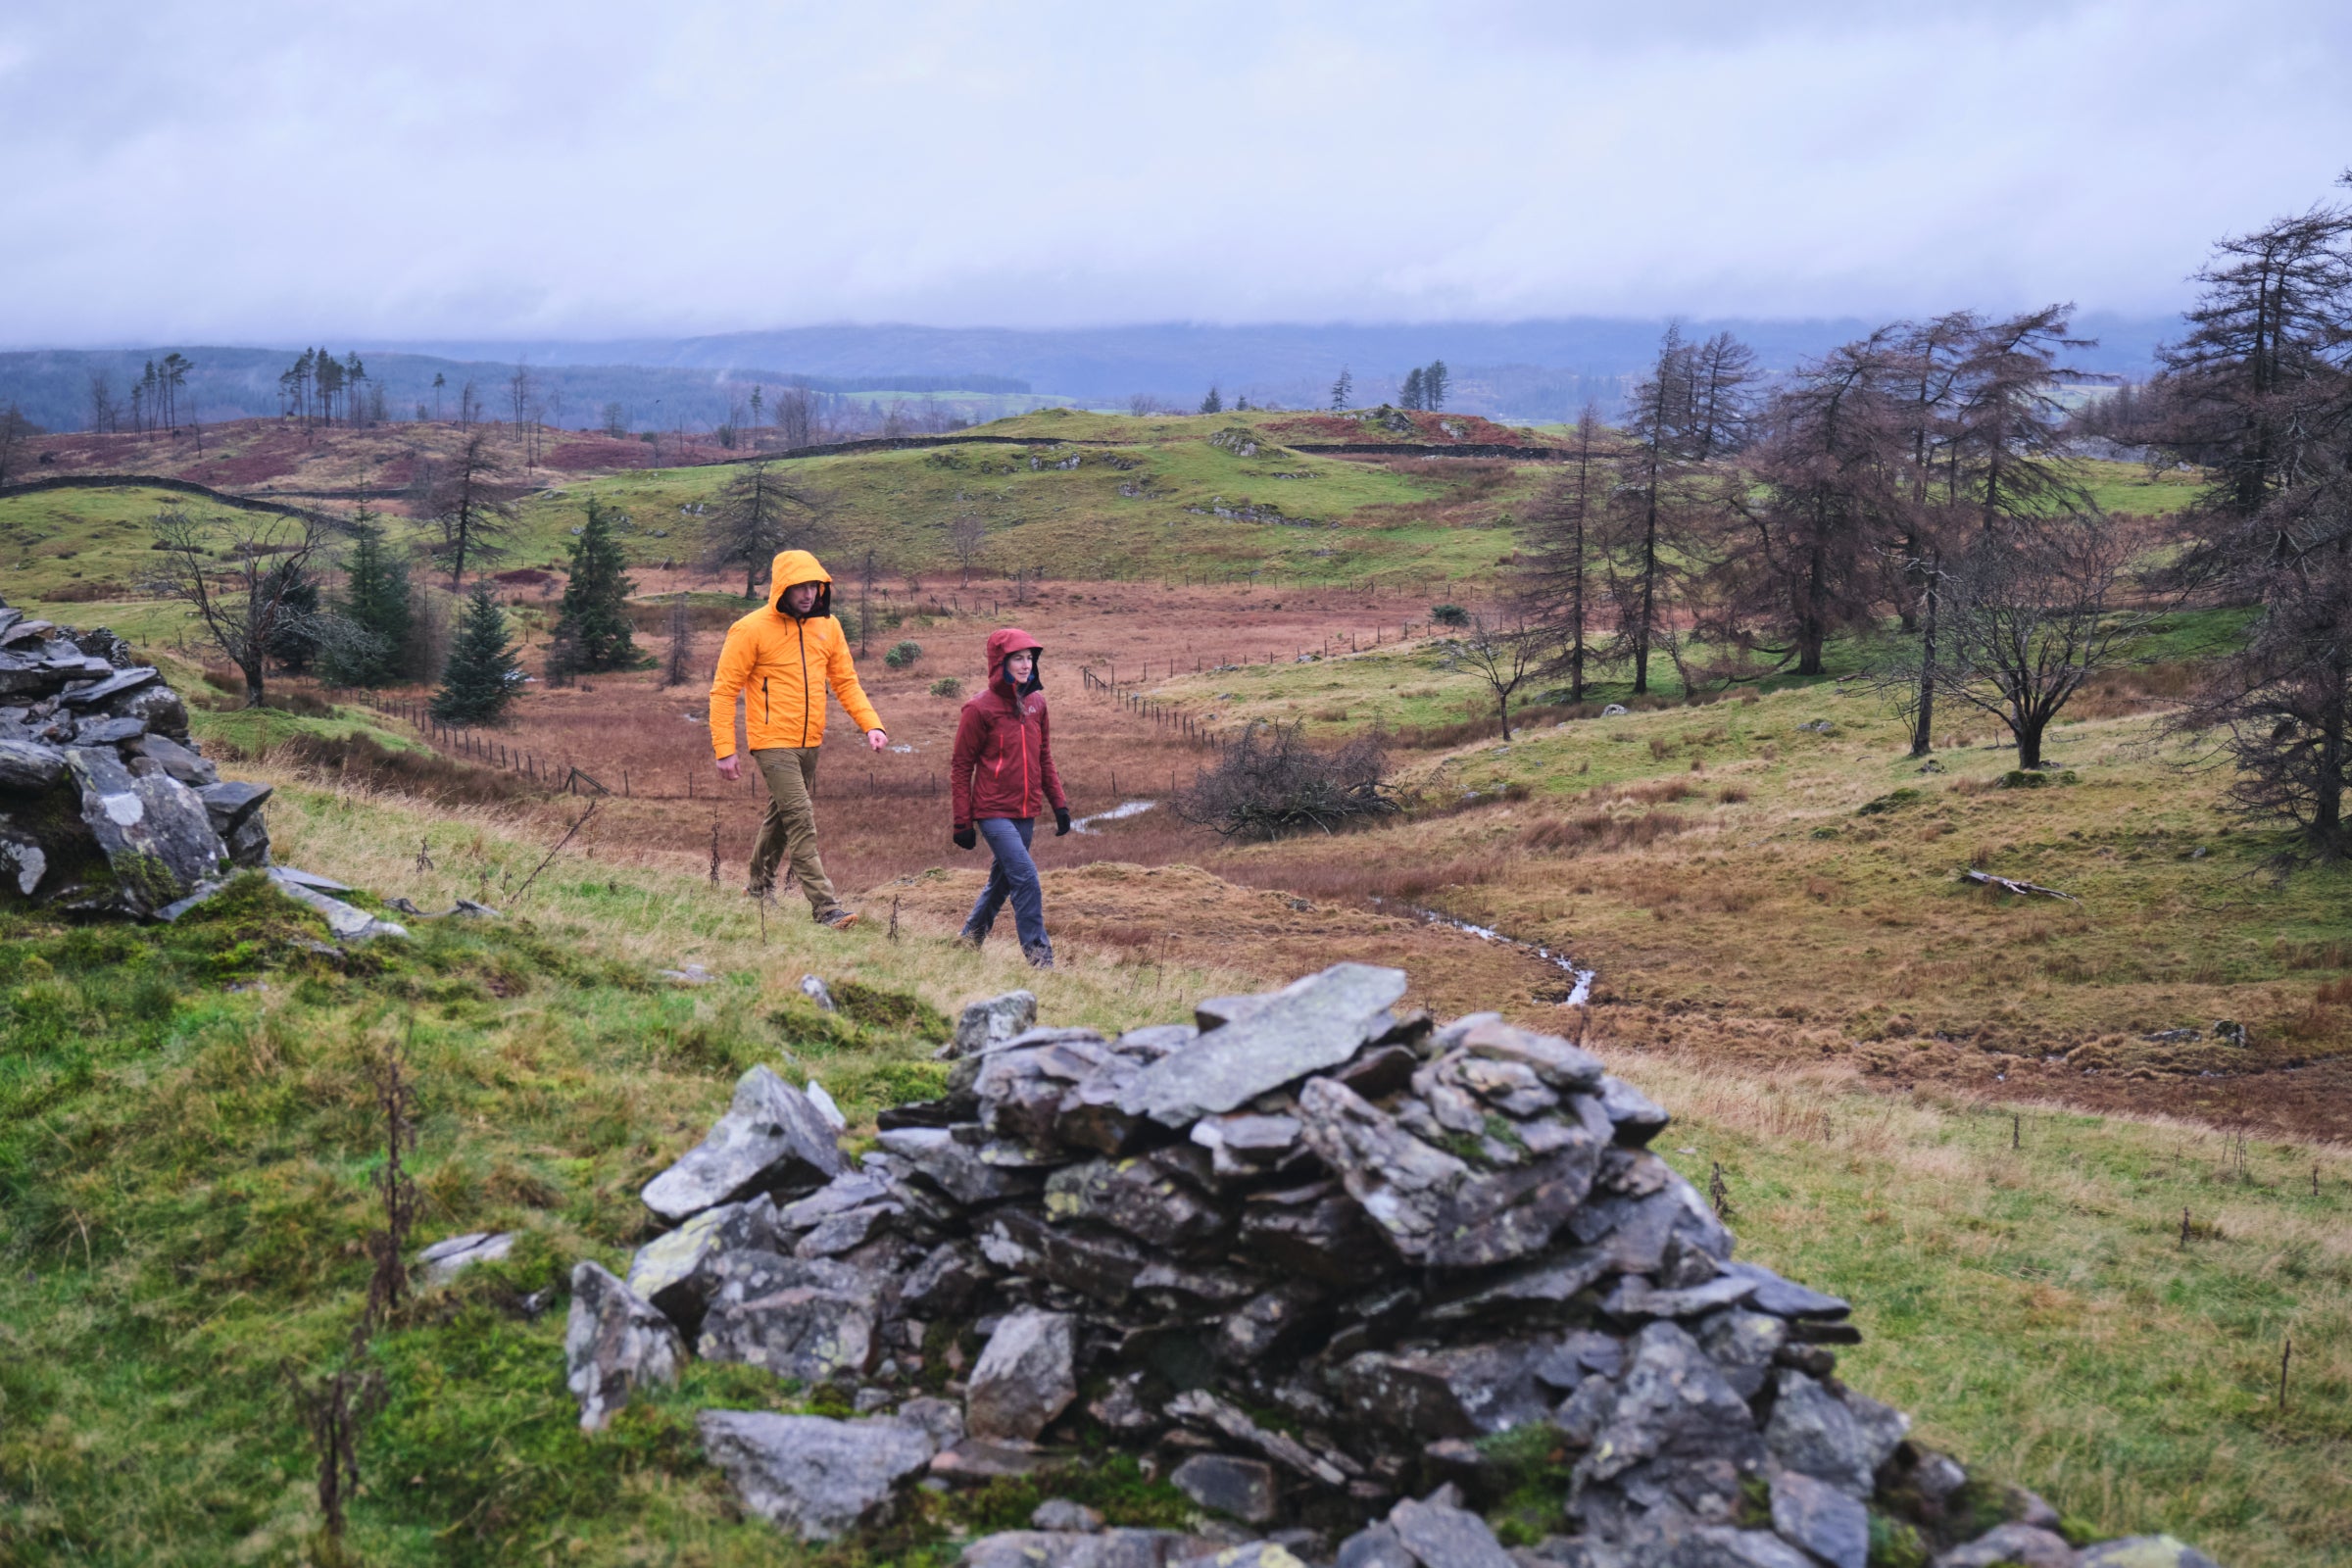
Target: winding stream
1578, 994
1579, 991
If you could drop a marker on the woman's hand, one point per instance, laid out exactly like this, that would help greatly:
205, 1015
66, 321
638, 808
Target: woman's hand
1061, 820
967, 837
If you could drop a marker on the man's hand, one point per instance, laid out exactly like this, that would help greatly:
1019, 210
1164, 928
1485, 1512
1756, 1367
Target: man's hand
967, 837
1061, 820
877, 739
730, 768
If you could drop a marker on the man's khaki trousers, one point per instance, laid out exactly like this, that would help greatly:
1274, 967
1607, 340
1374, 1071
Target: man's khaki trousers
789, 827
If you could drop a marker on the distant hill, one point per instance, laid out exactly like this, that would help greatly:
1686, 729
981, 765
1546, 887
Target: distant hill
1517, 370
1514, 371
52, 386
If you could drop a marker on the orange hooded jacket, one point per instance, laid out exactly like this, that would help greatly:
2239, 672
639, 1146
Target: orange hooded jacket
781, 663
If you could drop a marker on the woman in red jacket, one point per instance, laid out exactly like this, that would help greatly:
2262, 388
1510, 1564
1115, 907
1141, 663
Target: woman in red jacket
1002, 768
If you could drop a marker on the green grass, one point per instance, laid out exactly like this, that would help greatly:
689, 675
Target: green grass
2036, 1313
187, 1135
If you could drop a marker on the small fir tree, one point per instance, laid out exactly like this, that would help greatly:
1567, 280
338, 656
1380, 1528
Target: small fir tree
1410, 395
375, 603
593, 622
1213, 404
479, 681
1343, 390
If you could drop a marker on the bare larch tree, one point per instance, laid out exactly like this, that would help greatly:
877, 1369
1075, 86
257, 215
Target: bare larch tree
234, 576
758, 514
474, 506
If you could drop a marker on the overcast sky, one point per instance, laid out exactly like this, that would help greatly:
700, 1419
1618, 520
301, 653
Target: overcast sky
264, 171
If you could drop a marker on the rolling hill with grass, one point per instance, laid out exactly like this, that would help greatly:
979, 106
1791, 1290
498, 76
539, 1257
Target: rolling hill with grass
2077, 1239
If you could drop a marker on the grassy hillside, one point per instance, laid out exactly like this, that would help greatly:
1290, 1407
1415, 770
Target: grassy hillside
1147, 507
189, 1135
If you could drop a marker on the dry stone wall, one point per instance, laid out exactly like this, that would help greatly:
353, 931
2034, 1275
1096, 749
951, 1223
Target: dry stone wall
106, 806
1324, 1265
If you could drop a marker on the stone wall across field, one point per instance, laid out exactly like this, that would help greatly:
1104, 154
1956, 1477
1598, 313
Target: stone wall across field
1344, 1276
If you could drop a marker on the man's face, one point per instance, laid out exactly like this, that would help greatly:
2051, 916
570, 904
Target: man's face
801, 596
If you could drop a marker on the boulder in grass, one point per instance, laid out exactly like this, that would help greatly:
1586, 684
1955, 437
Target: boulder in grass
771, 1140
2144, 1551
613, 1343
990, 1022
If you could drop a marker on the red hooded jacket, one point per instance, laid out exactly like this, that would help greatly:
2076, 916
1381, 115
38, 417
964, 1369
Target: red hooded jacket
1003, 756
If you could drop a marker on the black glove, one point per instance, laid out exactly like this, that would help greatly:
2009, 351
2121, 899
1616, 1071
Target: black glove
967, 837
1061, 820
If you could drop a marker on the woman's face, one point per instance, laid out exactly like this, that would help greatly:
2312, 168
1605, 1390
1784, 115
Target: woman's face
1017, 666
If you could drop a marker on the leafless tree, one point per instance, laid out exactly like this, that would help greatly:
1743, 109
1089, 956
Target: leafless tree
1502, 650
869, 574
2279, 710
14, 428
241, 606
677, 667
474, 508
796, 416
968, 536
1557, 584
1656, 501
518, 405
758, 514
470, 407
1802, 560
1141, 405
103, 416
1721, 387
2032, 615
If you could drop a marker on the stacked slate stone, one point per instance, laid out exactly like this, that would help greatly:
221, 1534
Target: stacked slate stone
1307, 1255
105, 806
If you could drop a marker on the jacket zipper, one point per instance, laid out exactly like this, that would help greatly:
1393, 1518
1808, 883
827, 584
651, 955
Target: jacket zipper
767, 713
802, 626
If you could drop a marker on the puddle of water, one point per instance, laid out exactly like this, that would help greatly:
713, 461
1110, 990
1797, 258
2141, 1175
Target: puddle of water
1117, 813
1579, 993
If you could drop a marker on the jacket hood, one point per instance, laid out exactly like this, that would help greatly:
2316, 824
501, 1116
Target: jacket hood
795, 566
1002, 644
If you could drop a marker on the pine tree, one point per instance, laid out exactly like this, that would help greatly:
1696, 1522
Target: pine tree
1343, 389
593, 622
478, 683
375, 605
1412, 395
1434, 382
1213, 404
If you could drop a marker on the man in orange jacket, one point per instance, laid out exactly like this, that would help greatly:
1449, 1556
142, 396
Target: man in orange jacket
779, 659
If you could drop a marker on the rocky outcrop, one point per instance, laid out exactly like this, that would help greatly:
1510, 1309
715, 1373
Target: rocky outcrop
106, 806
1309, 1257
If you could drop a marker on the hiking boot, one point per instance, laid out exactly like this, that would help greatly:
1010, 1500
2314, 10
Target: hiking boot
1040, 957
760, 889
837, 917
969, 938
